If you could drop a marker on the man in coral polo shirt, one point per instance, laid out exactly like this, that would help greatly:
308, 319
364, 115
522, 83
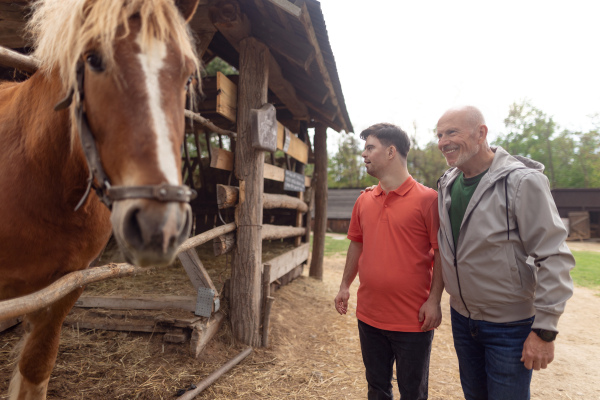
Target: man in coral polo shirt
393, 249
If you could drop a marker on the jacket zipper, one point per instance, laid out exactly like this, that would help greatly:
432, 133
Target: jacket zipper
451, 245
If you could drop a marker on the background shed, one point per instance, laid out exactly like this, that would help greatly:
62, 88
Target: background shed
339, 208
581, 208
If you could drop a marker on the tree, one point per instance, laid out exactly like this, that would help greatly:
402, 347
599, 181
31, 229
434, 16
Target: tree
426, 164
346, 168
218, 64
530, 134
572, 159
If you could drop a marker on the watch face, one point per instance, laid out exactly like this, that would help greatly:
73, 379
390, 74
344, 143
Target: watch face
547, 336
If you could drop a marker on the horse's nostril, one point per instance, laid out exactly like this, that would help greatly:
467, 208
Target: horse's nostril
132, 230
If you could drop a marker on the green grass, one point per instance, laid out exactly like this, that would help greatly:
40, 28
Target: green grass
333, 246
587, 269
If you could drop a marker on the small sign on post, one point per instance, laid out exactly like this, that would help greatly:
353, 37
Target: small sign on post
264, 128
293, 181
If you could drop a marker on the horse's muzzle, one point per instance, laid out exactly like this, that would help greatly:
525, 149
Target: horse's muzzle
148, 231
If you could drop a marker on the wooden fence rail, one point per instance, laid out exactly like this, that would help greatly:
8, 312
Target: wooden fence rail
23, 305
227, 197
12, 59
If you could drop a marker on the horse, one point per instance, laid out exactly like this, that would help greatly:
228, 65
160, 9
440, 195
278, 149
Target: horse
104, 111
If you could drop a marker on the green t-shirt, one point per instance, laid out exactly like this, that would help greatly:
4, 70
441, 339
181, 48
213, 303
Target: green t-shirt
461, 192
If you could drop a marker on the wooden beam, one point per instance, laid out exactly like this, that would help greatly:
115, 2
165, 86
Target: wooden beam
286, 92
187, 303
12, 59
9, 323
226, 97
284, 41
202, 333
316, 264
206, 236
249, 167
284, 201
266, 302
132, 321
223, 244
312, 37
202, 27
223, 159
227, 197
195, 270
190, 395
290, 144
271, 232
235, 26
284, 263
289, 8
61, 287
207, 124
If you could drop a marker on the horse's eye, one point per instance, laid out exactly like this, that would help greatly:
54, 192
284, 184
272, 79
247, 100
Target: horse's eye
95, 62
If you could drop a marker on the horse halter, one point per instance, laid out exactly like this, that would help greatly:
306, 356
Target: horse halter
107, 193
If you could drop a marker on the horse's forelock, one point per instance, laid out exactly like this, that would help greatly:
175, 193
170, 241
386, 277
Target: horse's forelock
63, 29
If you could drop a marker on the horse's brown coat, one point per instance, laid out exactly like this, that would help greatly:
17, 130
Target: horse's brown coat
43, 172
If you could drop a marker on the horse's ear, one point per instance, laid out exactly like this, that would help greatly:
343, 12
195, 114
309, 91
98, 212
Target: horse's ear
187, 8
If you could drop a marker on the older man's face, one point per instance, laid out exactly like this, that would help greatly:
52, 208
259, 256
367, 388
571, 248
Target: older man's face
457, 139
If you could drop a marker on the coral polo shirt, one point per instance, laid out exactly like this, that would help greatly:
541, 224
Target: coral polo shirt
398, 232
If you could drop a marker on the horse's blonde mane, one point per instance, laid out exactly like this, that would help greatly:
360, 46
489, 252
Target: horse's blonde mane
63, 29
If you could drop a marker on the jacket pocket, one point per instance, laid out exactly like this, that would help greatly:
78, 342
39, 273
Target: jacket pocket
513, 267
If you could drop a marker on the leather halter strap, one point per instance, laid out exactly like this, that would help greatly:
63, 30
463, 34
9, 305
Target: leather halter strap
98, 179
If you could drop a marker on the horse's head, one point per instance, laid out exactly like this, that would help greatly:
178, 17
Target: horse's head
134, 72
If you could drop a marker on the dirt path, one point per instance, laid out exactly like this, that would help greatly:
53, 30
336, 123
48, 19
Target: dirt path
314, 353
574, 374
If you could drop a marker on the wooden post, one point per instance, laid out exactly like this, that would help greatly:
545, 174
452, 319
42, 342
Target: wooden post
320, 188
249, 164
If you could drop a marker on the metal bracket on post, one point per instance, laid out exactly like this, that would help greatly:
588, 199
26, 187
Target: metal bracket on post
206, 302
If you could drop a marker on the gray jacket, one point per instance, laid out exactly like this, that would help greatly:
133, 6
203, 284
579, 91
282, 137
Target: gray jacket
510, 220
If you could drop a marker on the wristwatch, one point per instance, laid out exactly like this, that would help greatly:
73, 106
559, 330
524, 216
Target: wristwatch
546, 336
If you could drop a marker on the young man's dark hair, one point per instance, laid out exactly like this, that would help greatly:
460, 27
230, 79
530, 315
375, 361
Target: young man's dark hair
388, 135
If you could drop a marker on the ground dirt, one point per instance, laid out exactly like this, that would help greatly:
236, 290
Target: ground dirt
313, 353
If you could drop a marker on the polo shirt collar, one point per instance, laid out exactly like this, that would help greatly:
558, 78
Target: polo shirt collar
400, 191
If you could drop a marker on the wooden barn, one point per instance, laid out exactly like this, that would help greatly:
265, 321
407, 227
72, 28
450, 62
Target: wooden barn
340, 203
580, 210
248, 148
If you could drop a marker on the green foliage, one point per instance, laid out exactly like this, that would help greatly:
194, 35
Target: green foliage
587, 269
218, 64
572, 159
346, 168
426, 164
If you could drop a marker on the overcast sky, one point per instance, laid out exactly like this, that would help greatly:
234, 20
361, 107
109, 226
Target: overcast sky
406, 62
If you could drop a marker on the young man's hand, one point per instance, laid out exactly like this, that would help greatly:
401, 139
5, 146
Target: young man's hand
430, 315
341, 301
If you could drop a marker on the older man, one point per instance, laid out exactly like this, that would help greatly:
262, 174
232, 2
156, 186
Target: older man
504, 260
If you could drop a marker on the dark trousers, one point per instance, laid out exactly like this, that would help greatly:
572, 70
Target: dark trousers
410, 350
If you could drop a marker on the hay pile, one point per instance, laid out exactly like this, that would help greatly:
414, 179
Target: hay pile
313, 353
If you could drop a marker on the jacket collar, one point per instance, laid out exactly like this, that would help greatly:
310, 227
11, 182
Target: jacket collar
502, 164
